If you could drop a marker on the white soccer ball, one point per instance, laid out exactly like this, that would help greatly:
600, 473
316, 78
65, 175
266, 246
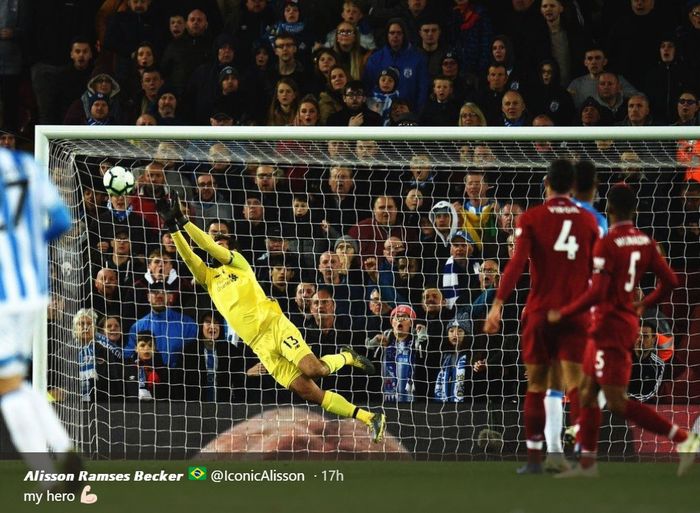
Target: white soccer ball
118, 181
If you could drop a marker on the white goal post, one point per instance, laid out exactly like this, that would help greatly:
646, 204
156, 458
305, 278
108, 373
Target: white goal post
509, 154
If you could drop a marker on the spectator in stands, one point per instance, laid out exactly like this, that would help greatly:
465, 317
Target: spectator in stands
609, 96
355, 112
348, 251
503, 52
208, 203
324, 60
633, 39
151, 82
425, 179
128, 266
435, 249
292, 23
99, 110
348, 296
331, 99
586, 85
126, 29
151, 186
283, 278
508, 215
183, 55
441, 109
471, 115
665, 81
250, 27
204, 86
401, 355
478, 209
160, 267
524, 23
463, 84
490, 98
410, 281
232, 104
70, 82
347, 46
118, 212
111, 327
412, 66
458, 275
143, 58
250, 231
167, 107
431, 44
471, 31
326, 323
308, 112
549, 97
514, 110
687, 108
8, 139
384, 93
638, 111
300, 309
685, 228
451, 382
79, 111
107, 298
96, 357
173, 331
592, 114
354, 14
567, 39
288, 65
152, 374
489, 277
373, 231
342, 205
689, 37
285, 103
647, 366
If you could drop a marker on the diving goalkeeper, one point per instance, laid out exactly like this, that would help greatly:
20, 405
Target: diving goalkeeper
262, 325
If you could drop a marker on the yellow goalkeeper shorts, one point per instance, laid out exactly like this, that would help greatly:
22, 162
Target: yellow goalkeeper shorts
280, 348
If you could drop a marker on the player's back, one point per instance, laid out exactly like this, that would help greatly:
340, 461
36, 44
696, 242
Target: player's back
626, 254
561, 236
25, 201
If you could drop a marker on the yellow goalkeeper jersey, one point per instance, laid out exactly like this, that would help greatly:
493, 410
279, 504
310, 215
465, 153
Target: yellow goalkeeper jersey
232, 287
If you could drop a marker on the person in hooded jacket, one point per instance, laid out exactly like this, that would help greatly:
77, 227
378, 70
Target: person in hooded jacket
550, 97
414, 81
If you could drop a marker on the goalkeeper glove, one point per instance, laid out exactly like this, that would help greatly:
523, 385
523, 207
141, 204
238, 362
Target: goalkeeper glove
165, 211
176, 211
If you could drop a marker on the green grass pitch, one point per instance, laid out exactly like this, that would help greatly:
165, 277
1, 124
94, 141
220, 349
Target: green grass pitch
375, 486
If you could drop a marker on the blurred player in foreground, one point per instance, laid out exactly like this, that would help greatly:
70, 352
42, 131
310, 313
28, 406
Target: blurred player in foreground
27, 200
620, 260
261, 324
557, 237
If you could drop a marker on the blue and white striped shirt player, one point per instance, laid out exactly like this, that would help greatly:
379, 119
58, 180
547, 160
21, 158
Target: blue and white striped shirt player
31, 214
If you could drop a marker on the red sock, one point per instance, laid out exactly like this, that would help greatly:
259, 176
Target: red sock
534, 423
589, 424
648, 419
574, 405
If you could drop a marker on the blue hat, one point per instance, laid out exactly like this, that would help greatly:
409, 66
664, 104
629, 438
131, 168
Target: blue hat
690, 4
463, 235
92, 98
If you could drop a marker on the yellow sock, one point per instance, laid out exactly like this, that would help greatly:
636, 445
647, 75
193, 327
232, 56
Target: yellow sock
336, 403
337, 361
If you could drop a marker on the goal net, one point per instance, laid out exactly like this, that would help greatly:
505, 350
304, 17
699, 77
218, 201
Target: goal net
343, 227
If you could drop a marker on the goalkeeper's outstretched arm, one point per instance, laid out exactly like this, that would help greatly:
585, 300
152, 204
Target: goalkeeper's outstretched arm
195, 264
207, 243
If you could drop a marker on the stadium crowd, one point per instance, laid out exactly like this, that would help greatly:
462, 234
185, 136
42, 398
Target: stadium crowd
401, 263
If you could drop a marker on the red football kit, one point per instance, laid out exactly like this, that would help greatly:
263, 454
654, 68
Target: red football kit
620, 259
558, 238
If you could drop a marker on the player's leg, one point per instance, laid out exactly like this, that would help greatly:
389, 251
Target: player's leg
335, 403
647, 418
30, 420
554, 413
535, 416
